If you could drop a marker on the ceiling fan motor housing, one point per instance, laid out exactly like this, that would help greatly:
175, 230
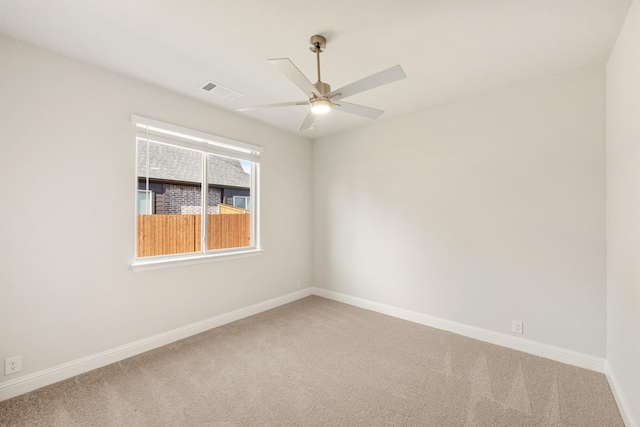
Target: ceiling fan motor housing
323, 88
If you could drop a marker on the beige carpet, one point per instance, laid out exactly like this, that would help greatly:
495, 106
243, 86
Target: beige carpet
316, 362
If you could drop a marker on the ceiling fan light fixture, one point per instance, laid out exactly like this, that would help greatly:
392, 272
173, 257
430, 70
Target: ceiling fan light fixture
320, 98
320, 106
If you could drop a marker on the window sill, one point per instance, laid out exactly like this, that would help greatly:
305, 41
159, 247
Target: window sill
157, 263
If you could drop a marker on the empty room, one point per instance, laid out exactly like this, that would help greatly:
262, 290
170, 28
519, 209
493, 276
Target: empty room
345, 213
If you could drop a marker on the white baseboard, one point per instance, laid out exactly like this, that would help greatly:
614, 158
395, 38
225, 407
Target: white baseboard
621, 400
532, 347
45, 377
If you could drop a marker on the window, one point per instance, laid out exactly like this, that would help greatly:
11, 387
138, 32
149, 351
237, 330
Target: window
145, 202
242, 202
183, 179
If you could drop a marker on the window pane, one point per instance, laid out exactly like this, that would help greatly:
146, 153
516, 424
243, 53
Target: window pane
171, 178
228, 226
242, 202
145, 202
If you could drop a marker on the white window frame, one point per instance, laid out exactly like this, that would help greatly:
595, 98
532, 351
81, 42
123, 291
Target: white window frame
165, 133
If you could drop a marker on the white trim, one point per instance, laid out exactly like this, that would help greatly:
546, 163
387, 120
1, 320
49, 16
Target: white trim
154, 263
255, 205
45, 377
621, 400
532, 347
204, 201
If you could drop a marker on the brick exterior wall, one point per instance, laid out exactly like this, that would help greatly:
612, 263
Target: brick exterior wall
187, 199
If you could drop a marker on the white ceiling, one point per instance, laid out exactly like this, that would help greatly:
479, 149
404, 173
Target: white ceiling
449, 49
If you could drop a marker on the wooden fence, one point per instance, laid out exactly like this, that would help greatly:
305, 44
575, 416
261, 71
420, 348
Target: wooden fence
226, 209
175, 234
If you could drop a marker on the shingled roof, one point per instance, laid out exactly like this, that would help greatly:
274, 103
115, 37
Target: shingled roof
177, 164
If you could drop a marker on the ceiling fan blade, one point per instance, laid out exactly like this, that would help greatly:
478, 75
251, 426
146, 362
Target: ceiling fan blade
375, 80
307, 121
282, 104
360, 110
286, 67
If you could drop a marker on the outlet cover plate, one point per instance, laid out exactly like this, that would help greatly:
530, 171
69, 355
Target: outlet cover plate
516, 326
12, 365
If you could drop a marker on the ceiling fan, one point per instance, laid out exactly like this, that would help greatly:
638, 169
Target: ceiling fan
321, 98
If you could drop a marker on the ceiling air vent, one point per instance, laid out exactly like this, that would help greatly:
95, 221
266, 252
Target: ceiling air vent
220, 91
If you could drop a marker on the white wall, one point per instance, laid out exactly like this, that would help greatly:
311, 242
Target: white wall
67, 179
478, 212
623, 212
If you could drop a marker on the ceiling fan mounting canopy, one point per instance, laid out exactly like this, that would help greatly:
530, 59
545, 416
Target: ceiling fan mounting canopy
317, 42
321, 99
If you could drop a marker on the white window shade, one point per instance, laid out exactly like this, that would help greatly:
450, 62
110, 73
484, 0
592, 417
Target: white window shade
167, 133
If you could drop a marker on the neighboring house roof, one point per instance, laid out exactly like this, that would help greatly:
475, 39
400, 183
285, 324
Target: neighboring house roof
178, 164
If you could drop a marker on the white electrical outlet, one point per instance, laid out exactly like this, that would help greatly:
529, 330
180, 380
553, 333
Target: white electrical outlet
298, 284
516, 326
12, 365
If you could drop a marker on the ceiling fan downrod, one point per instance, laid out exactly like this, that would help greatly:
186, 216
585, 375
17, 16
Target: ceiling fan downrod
318, 44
